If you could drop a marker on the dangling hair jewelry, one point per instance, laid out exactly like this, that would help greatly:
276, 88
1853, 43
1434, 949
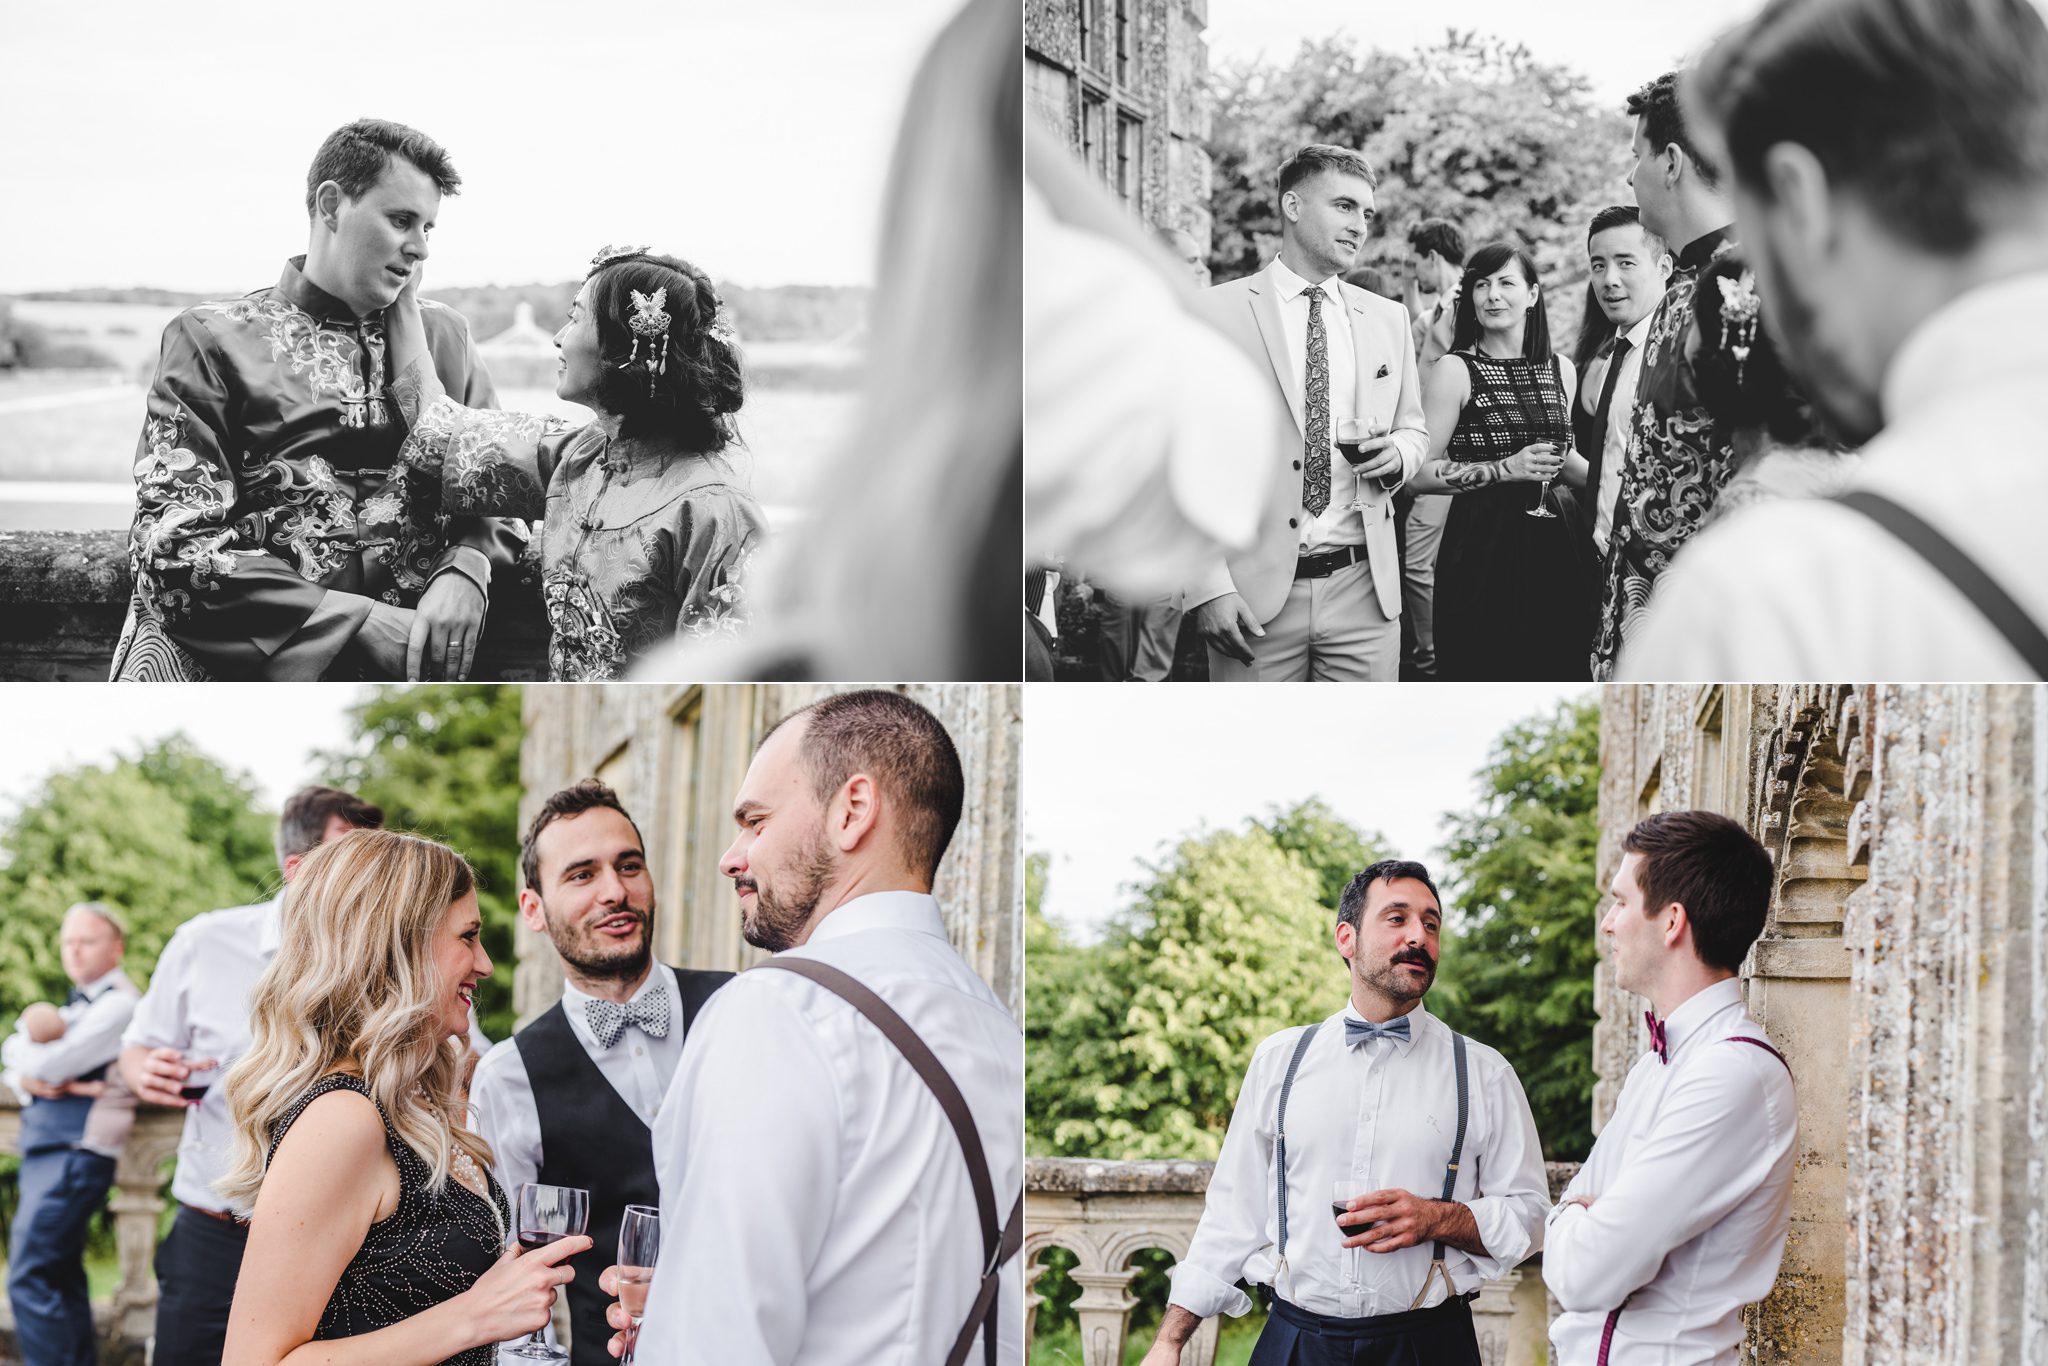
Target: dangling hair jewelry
1740, 309
649, 323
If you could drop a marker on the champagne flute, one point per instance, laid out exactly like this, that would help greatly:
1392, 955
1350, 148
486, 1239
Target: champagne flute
548, 1214
639, 1243
1542, 508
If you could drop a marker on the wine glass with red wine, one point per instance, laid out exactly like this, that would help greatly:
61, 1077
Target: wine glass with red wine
548, 1214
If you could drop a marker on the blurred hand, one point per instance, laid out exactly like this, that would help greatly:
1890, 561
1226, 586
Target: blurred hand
163, 1073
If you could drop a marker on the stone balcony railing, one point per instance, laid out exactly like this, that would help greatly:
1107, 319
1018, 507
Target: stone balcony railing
64, 596
1104, 1212
126, 1321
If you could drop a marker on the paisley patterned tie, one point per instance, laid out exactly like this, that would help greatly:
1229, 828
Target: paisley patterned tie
607, 1019
1315, 412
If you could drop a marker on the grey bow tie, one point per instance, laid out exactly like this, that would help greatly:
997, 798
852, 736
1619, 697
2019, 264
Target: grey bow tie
608, 1020
1357, 1032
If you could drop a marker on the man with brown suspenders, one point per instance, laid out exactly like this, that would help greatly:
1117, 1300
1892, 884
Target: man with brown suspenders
1678, 1217
841, 1154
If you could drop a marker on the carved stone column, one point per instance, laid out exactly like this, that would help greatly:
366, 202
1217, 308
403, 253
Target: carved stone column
1105, 1312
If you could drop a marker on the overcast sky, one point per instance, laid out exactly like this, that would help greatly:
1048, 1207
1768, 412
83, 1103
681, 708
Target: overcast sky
267, 730
167, 144
1115, 774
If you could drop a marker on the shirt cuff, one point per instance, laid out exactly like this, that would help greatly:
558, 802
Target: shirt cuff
1205, 1296
1503, 1231
469, 562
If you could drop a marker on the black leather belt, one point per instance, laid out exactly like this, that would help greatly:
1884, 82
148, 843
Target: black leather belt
1327, 562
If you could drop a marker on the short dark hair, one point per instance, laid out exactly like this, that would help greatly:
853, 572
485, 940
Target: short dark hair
587, 795
1714, 868
355, 155
1318, 157
1621, 216
1465, 321
1656, 104
1933, 111
303, 822
1594, 329
1441, 236
1351, 905
700, 385
902, 747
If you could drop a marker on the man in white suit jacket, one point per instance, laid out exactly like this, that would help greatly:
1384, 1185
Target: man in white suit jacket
1318, 593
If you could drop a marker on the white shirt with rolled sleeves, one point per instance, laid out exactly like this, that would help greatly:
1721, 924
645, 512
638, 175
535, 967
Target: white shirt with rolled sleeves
1384, 1114
1692, 1187
198, 1002
814, 1203
638, 1065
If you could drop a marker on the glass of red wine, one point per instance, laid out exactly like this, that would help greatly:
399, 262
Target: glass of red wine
198, 1082
1352, 433
639, 1243
1341, 1195
548, 1214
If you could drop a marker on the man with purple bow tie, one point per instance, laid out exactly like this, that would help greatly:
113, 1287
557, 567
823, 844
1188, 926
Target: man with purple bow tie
1678, 1218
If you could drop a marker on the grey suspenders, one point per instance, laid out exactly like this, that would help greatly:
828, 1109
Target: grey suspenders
999, 1245
1614, 1314
1436, 1265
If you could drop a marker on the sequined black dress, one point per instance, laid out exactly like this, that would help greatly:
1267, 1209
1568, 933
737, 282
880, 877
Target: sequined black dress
430, 1249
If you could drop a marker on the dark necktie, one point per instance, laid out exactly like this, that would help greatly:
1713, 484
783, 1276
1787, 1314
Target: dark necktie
1315, 412
1600, 415
75, 997
1657, 1036
1357, 1032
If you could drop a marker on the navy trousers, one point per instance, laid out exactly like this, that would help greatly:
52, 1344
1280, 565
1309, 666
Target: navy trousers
196, 1266
1438, 1336
60, 1190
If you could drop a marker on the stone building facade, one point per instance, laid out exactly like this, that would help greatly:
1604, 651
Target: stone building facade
1903, 970
1125, 82
675, 754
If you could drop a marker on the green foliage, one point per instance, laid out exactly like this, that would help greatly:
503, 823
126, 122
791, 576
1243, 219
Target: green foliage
1471, 129
1522, 901
160, 837
1135, 1047
443, 761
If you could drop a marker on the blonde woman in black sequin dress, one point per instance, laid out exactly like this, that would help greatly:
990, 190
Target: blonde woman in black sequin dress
376, 1229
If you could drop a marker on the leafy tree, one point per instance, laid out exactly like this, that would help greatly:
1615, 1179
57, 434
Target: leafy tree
1470, 129
443, 761
160, 837
1519, 952
1328, 846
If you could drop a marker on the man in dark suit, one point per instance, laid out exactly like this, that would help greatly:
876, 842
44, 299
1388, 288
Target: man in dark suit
1318, 593
570, 1099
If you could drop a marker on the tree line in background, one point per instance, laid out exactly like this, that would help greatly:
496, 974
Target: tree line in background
1471, 129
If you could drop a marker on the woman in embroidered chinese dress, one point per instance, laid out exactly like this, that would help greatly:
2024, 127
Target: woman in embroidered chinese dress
648, 518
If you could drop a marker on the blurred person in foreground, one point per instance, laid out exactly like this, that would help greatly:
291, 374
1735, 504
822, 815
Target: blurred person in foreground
75, 1119
910, 564
649, 518
274, 537
1890, 160
1317, 595
375, 1226
820, 1203
1677, 457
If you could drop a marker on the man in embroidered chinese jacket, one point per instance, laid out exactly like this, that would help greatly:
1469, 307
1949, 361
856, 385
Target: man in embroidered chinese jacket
273, 537
1678, 457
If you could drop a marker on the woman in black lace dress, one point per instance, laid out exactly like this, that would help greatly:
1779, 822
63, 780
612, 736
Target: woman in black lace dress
1513, 596
376, 1226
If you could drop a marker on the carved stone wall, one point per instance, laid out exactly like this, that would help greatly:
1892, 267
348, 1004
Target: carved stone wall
676, 753
1904, 970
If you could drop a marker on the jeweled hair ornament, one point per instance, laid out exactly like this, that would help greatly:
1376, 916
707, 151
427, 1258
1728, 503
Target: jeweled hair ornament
1740, 310
649, 324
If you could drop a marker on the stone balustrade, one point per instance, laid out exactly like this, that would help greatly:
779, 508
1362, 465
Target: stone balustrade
126, 1321
64, 596
1104, 1212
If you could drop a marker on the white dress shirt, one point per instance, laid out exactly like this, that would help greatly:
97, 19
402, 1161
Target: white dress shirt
638, 1065
1338, 524
1620, 417
1692, 1187
198, 1002
1383, 1114
815, 1203
1807, 589
92, 1037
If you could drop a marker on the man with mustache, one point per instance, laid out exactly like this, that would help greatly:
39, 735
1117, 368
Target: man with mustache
570, 1099
273, 538
1423, 1136
1890, 164
1317, 595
